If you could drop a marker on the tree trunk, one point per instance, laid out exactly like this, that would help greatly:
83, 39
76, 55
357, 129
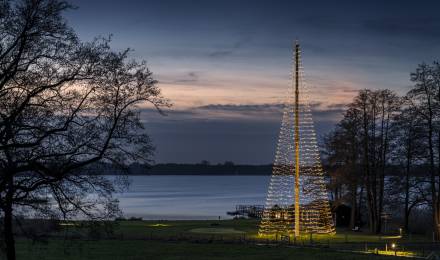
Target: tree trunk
373, 180
371, 211
384, 150
432, 171
437, 201
436, 193
8, 232
436, 223
367, 174
353, 206
407, 180
359, 206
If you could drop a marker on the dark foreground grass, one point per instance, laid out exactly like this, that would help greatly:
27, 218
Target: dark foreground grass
197, 239
143, 229
137, 250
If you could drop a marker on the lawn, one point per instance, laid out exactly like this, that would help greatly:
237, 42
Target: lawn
245, 228
226, 239
136, 249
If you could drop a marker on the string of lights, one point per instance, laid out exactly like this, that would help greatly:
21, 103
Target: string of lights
297, 200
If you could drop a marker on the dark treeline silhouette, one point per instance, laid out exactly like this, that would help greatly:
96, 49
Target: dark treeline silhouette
203, 168
219, 169
64, 105
382, 136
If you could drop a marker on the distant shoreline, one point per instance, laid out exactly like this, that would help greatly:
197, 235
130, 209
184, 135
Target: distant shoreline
189, 169
227, 169
192, 174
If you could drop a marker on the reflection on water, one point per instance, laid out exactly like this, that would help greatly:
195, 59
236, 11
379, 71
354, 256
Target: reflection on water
190, 196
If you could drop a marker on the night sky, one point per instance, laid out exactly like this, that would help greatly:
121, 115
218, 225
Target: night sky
225, 64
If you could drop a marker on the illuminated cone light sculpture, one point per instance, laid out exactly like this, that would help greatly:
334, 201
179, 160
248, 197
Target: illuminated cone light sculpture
297, 200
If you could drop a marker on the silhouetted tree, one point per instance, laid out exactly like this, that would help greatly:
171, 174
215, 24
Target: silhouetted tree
408, 149
343, 154
65, 105
425, 98
361, 141
229, 163
205, 163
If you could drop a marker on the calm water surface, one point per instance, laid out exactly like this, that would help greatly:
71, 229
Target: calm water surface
190, 196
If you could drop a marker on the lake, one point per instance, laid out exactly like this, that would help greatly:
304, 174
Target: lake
174, 197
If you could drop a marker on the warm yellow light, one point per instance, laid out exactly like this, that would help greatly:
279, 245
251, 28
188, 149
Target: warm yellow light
68, 224
297, 200
393, 253
159, 225
392, 237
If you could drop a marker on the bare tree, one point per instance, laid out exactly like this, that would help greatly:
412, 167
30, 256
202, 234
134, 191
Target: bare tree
408, 150
342, 150
389, 106
376, 109
362, 141
64, 105
389, 132
425, 100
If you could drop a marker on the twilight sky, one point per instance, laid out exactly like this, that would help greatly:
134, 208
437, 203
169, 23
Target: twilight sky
225, 64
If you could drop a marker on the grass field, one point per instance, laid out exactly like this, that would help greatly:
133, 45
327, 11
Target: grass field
227, 239
135, 249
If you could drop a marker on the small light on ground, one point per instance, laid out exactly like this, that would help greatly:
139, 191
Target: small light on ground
159, 225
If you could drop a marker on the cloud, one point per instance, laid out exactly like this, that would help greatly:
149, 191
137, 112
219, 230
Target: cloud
247, 108
242, 112
242, 41
340, 106
189, 77
243, 133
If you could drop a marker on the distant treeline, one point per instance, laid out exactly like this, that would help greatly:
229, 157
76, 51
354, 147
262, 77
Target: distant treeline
199, 169
227, 168
203, 168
